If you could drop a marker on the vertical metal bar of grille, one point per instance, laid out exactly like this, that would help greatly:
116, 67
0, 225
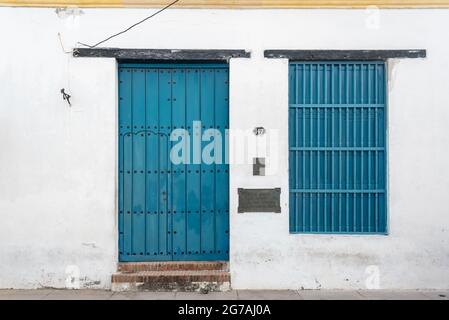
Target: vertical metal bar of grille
324, 185
318, 153
338, 152
303, 144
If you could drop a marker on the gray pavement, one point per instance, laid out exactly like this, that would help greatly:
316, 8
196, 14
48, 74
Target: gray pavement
55, 294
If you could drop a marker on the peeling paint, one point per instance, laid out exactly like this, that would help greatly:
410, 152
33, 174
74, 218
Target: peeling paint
90, 244
64, 13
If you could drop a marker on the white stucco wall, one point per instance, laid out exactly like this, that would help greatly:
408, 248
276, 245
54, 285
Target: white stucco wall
58, 163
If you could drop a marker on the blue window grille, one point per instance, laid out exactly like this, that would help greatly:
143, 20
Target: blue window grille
337, 147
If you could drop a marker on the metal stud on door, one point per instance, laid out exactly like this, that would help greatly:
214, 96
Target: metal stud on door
171, 210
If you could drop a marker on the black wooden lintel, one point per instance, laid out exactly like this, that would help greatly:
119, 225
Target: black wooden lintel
344, 54
161, 54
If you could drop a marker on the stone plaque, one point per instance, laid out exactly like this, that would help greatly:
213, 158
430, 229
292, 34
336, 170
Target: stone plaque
259, 200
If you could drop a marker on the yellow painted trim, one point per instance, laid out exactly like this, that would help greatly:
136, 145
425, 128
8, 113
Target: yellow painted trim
232, 3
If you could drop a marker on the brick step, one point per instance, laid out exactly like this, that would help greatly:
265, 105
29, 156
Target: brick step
172, 265
172, 280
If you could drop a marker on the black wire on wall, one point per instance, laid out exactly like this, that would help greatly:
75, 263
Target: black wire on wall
130, 27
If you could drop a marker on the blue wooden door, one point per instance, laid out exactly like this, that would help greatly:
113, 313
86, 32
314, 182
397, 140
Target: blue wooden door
173, 210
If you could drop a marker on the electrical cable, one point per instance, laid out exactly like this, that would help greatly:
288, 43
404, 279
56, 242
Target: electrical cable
62, 45
129, 28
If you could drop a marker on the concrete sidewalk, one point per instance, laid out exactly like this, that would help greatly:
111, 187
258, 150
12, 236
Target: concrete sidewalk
54, 294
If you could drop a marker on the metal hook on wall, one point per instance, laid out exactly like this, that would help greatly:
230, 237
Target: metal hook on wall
66, 96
